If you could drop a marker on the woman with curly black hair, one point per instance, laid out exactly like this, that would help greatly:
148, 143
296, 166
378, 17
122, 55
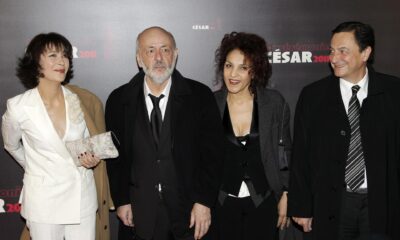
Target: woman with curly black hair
253, 198
59, 196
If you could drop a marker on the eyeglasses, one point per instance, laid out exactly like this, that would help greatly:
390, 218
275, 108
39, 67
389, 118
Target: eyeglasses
164, 51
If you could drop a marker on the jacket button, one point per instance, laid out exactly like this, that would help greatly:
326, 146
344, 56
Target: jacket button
105, 227
331, 218
343, 133
158, 160
104, 202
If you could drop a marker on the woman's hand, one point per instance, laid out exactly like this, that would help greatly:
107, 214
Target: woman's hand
283, 220
88, 160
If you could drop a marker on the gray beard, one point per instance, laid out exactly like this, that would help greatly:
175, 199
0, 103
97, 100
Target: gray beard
159, 79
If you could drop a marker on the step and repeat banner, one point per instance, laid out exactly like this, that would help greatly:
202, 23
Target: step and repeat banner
103, 34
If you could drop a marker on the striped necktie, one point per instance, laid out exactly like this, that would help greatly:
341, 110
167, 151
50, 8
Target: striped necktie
355, 165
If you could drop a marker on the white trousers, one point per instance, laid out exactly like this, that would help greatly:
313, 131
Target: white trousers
83, 231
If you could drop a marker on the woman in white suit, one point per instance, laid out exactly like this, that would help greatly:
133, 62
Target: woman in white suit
58, 199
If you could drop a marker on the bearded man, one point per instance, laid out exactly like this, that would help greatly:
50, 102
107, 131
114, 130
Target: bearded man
166, 179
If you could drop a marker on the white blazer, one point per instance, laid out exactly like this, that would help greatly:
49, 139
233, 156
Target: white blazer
52, 182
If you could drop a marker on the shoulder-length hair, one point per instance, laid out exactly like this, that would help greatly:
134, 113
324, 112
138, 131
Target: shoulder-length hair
28, 68
255, 51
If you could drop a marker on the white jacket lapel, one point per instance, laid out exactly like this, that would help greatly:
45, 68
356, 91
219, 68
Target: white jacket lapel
36, 111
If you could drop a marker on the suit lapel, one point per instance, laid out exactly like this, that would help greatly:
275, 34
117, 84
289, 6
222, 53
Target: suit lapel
131, 100
373, 124
335, 106
180, 91
336, 121
266, 122
265, 118
142, 116
375, 88
335, 103
37, 113
220, 98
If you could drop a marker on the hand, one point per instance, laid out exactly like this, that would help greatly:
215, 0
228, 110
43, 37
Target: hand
124, 213
200, 217
88, 160
283, 220
304, 222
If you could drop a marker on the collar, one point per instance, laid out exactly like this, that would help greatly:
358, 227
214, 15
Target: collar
363, 83
135, 85
165, 91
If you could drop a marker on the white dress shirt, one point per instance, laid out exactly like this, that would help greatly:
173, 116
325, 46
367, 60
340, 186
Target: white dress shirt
163, 101
346, 92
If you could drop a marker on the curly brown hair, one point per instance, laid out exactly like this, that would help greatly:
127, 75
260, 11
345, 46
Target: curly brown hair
255, 51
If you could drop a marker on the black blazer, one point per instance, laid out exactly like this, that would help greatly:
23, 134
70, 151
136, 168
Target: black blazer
275, 140
196, 139
320, 145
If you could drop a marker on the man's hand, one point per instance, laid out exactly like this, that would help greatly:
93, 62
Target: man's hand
124, 213
304, 222
283, 220
200, 217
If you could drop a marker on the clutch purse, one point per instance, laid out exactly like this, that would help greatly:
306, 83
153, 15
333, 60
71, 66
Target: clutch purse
101, 145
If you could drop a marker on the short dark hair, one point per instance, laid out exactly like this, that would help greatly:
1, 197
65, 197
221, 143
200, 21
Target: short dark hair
28, 68
254, 49
363, 33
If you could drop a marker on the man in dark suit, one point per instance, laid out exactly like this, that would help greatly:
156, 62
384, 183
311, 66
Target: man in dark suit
345, 172
166, 179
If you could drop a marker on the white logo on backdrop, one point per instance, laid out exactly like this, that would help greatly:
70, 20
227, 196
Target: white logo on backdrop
2, 210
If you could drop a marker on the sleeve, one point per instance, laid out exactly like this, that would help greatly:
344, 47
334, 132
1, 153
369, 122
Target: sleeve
12, 133
285, 147
211, 139
118, 169
300, 194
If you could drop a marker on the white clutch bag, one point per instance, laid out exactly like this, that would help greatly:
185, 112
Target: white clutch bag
101, 145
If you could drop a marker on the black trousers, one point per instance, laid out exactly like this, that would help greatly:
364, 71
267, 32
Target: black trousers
239, 219
354, 222
163, 228
125, 232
